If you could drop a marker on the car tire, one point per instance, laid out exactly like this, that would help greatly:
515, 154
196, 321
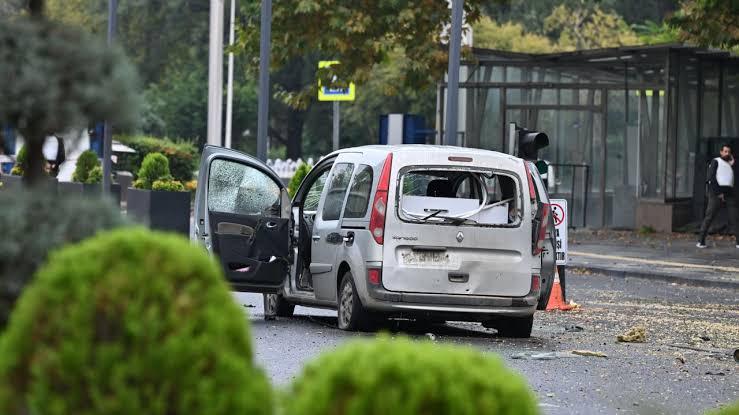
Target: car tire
514, 327
351, 313
275, 305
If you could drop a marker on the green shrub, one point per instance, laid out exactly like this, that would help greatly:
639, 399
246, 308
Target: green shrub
20, 162
130, 322
95, 176
300, 173
729, 409
387, 376
87, 161
35, 223
154, 167
168, 185
183, 156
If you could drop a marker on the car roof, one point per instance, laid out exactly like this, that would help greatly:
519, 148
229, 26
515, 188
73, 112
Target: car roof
424, 148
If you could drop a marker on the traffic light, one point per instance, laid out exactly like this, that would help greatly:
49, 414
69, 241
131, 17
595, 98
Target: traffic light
530, 142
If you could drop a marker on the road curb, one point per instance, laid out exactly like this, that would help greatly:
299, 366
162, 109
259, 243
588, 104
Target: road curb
656, 275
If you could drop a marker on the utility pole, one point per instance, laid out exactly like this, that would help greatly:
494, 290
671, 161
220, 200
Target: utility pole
455, 43
230, 88
215, 73
264, 51
337, 124
107, 133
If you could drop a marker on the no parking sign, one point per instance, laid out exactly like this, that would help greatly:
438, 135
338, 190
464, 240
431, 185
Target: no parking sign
559, 213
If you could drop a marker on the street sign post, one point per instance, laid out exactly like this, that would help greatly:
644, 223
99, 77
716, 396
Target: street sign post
559, 212
336, 95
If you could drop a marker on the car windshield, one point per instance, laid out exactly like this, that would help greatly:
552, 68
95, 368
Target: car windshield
459, 197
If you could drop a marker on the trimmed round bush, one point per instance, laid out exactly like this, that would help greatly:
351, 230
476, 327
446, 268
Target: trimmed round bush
130, 322
20, 162
86, 162
154, 167
95, 176
168, 185
398, 376
35, 223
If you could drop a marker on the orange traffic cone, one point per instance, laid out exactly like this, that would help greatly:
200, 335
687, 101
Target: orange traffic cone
556, 299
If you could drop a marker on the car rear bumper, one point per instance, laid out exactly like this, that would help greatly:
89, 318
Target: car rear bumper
381, 299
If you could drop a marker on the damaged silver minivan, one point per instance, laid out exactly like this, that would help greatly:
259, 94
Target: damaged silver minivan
415, 231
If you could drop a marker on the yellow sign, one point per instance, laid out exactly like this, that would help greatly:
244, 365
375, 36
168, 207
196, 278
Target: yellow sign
650, 92
335, 94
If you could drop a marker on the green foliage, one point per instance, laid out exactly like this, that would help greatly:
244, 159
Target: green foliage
21, 161
154, 167
57, 77
130, 322
87, 161
300, 173
182, 156
95, 176
650, 32
398, 376
730, 409
713, 23
510, 37
588, 28
35, 223
168, 185
357, 34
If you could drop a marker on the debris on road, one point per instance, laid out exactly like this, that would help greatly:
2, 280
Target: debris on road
636, 334
540, 355
736, 355
710, 372
680, 358
431, 336
249, 305
589, 353
574, 328
574, 305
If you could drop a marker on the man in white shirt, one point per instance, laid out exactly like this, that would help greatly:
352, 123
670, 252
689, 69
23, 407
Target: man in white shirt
722, 180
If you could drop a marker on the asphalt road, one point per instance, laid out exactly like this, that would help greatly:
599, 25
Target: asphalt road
673, 372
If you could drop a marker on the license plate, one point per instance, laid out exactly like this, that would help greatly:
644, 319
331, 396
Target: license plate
427, 258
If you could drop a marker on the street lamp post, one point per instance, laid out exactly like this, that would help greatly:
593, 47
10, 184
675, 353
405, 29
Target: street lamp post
230, 87
264, 51
107, 133
215, 73
455, 43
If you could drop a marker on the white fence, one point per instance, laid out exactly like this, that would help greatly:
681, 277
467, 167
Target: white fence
286, 168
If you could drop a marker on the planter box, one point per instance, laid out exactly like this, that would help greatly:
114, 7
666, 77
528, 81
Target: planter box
166, 211
91, 190
11, 182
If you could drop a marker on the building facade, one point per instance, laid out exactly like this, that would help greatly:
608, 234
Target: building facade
631, 129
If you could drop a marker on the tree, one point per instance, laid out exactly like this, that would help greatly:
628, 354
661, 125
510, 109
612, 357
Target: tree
56, 77
711, 23
588, 28
510, 37
359, 34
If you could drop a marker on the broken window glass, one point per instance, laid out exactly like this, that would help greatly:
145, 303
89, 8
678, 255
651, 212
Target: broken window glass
237, 188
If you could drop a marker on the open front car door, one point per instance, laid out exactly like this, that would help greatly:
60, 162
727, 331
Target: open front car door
242, 215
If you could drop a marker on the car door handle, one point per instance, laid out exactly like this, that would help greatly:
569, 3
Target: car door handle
316, 237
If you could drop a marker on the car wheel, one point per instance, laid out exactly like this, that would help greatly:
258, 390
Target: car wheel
515, 327
351, 313
275, 305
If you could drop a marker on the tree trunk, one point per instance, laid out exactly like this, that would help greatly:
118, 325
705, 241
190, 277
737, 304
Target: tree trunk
36, 7
35, 158
295, 122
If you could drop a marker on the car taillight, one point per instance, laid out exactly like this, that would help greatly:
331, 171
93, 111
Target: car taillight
532, 189
542, 231
379, 205
535, 283
374, 276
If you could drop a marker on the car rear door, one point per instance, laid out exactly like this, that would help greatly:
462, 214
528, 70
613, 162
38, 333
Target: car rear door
242, 215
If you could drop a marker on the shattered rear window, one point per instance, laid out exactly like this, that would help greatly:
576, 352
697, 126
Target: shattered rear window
456, 196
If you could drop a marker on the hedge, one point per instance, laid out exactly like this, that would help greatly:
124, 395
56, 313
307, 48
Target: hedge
398, 376
183, 156
130, 322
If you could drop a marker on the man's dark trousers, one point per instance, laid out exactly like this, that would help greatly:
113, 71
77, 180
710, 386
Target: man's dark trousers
714, 205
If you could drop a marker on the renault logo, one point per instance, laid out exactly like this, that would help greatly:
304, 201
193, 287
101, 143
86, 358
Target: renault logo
460, 236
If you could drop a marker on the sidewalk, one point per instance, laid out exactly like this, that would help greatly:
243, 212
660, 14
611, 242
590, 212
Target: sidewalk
667, 257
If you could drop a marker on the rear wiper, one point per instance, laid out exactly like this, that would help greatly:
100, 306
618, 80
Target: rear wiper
456, 220
436, 212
